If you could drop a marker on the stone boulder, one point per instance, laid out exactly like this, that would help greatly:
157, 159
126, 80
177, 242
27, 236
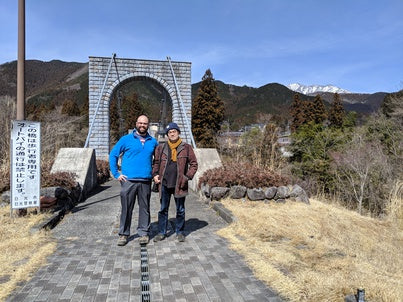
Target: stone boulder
237, 192
205, 190
217, 193
283, 192
255, 194
270, 192
299, 194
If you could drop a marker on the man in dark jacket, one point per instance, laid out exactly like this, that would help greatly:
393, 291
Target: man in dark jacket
174, 165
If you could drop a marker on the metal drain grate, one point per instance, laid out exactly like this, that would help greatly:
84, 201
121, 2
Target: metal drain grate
145, 277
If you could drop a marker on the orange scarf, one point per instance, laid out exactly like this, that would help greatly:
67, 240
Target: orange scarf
173, 147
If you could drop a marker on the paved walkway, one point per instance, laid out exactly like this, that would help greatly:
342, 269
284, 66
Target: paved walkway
89, 266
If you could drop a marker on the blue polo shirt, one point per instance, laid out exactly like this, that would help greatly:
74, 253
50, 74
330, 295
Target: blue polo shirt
137, 157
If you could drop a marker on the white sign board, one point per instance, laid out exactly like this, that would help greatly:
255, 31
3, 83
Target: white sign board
25, 164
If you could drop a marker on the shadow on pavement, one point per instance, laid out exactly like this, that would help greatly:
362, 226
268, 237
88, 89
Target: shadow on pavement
97, 190
194, 224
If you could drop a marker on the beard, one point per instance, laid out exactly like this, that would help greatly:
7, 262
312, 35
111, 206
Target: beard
142, 130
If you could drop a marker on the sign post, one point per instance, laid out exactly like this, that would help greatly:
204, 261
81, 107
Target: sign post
25, 164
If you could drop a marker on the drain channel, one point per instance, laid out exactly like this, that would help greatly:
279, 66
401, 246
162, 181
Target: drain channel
145, 276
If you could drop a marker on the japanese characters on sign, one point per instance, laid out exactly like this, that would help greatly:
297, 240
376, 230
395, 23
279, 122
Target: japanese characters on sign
25, 164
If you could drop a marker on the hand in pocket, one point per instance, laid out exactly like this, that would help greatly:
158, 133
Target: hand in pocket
184, 182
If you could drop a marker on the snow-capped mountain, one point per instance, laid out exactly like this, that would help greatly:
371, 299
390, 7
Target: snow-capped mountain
312, 89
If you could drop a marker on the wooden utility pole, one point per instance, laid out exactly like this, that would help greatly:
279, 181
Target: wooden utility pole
20, 75
21, 62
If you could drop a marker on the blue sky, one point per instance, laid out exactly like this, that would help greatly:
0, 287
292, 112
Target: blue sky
353, 44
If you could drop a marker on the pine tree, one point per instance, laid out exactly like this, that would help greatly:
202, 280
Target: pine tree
131, 108
114, 120
297, 113
207, 112
318, 110
392, 105
309, 114
336, 112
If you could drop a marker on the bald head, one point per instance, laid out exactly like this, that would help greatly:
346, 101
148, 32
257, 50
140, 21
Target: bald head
142, 124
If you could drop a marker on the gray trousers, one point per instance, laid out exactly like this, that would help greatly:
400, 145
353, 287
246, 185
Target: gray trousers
129, 191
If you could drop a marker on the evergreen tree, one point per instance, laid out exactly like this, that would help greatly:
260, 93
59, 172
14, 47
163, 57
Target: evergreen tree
318, 110
309, 114
311, 147
297, 113
336, 112
392, 105
114, 121
131, 108
207, 112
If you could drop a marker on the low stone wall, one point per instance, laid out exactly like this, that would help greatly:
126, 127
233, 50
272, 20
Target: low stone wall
276, 194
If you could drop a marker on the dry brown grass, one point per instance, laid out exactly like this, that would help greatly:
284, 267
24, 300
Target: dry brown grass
22, 251
395, 206
318, 252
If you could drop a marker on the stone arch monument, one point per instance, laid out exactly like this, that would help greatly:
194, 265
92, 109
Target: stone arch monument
107, 74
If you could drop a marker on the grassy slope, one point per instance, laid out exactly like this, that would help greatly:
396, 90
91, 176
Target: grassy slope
318, 252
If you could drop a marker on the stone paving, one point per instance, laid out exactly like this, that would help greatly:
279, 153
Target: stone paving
89, 266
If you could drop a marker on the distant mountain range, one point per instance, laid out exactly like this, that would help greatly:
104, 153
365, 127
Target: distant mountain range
57, 81
359, 102
314, 89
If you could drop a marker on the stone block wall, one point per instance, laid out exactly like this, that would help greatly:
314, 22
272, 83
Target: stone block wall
125, 70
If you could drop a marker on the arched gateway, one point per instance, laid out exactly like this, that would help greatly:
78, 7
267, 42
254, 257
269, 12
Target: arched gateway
106, 75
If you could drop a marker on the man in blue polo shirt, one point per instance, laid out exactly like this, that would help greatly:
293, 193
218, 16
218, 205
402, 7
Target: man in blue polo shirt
136, 150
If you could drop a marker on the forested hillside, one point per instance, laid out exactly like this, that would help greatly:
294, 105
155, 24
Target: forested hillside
52, 83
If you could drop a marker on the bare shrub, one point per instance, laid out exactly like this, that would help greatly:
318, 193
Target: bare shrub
58, 179
258, 147
57, 132
242, 173
270, 149
103, 172
395, 206
70, 108
60, 131
251, 146
362, 169
4, 177
7, 111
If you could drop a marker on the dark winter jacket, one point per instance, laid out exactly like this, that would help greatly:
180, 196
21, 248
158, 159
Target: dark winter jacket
186, 165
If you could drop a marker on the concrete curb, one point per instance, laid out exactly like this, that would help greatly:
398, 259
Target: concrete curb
223, 212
